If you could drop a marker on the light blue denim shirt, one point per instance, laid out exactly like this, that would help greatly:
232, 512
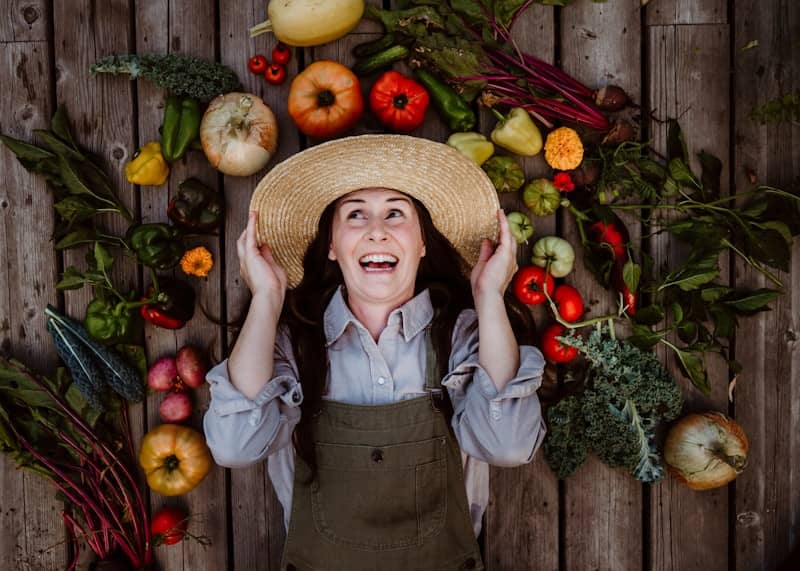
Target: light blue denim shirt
502, 428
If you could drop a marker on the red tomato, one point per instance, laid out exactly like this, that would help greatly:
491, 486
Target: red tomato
529, 284
399, 102
569, 302
553, 349
281, 54
169, 525
257, 64
275, 74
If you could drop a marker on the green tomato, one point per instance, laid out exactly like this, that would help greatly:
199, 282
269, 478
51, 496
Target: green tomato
541, 197
521, 226
554, 251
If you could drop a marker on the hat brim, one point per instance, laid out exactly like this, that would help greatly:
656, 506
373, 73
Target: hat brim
460, 197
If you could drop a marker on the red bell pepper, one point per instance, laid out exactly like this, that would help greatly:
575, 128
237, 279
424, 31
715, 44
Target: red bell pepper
398, 102
172, 306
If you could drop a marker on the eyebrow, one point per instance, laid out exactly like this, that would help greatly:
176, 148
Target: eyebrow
362, 201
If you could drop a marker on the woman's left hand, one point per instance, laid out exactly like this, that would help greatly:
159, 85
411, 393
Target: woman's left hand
495, 269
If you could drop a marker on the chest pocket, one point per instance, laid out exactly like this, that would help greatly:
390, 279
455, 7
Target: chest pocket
380, 497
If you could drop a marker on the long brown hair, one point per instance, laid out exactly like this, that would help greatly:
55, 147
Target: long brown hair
441, 271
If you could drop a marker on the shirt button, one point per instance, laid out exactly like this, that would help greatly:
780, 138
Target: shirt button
381, 380
496, 415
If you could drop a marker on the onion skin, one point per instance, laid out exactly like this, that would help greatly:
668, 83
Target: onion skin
706, 450
239, 133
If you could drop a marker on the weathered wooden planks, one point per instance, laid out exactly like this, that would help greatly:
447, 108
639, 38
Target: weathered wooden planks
31, 532
521, 520
690, 81
600, 45
766, 510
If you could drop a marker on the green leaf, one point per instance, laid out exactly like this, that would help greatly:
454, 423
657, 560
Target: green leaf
780, 228
687, 331
770, 248
693, 368
631, 273
102, 257
712, 294
724, 321
643, 338
752, 301
676, 145
650, 315
71, 179
72, 278
677, 313
57, 146
60, 126
690, 278
670, 187
26, 151
681, 173
711, 175
74, 209
80, 236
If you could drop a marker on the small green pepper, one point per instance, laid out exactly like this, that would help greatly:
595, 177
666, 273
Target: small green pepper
506, 174
453, 108
157, 246
196, 206
472, 145
180, 128
517, 133
112, 322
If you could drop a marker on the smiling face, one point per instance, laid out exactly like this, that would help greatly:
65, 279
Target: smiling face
377, 242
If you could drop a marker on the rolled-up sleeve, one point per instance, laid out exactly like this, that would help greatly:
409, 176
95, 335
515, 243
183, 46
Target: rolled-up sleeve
503, 428
240, 431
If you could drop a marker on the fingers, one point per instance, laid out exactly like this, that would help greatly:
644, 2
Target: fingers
251, 232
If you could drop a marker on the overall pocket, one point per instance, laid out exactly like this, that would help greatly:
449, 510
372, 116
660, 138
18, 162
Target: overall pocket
380, 497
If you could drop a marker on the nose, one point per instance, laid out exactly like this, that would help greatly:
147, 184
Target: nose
376, 231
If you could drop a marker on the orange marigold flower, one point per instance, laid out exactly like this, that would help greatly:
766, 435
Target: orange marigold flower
197, 262
563, 149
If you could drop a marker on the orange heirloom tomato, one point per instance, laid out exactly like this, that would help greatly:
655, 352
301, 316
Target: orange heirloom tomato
174, 458
325, 99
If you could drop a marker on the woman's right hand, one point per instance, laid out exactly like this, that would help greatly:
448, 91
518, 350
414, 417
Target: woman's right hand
262, 274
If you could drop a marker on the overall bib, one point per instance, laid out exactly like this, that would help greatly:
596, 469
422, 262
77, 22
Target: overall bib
389, 492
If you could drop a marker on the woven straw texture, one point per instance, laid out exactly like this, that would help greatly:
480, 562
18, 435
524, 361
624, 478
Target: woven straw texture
290, 199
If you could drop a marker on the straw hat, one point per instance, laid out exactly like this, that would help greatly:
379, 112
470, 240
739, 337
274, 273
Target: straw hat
290, 199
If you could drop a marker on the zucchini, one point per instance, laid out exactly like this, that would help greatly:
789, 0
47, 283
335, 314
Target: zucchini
372, 47
380, 60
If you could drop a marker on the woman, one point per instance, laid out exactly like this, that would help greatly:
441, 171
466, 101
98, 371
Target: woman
394, 380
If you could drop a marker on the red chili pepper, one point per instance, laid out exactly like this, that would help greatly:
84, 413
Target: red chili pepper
281, 54
613, 237
529, 284
275, 73
257, 64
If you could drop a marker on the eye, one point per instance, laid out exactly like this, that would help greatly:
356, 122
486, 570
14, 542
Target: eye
355, 214
394, 213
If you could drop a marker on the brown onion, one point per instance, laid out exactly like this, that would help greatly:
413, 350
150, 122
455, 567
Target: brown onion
706, 450
239, 133
611, 98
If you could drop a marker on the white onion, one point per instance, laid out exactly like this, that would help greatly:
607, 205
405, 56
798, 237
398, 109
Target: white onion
239, 133
706, 450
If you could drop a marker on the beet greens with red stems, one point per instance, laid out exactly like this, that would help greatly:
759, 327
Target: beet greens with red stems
47, 427
469, 43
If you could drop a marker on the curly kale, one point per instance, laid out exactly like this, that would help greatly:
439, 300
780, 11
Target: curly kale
628, 394
182, 75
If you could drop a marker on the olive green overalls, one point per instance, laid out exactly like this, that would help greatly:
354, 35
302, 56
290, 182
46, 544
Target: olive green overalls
389, 492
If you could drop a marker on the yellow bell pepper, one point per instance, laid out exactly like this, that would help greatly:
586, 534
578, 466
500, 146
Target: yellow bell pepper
148, 167
472, 145
517, 133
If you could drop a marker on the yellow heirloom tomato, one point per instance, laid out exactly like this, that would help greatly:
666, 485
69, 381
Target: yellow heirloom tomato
175, 459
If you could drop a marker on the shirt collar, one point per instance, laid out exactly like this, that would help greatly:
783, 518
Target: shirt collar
415, 315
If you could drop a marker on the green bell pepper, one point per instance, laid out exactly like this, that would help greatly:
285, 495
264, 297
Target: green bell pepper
157, 246
112, 321
180, 128
517, 133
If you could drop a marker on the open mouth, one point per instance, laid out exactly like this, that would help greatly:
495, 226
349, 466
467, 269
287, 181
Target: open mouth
378, 262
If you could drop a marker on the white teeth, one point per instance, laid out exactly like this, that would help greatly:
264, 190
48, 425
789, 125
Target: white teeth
378, 259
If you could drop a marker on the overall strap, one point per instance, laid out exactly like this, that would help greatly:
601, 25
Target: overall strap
440, 399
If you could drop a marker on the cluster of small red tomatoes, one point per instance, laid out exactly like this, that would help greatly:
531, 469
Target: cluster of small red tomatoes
529, 286
275, 71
